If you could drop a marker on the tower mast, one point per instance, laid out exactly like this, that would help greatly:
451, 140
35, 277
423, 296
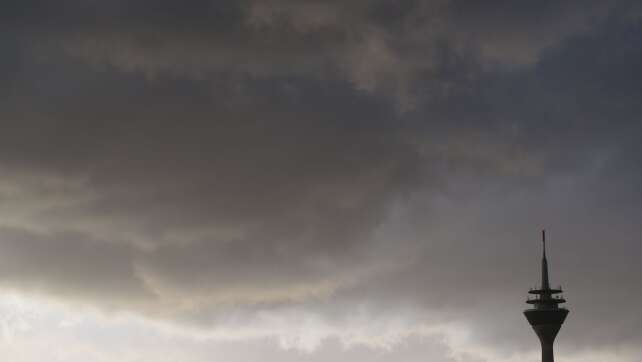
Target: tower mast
545, 283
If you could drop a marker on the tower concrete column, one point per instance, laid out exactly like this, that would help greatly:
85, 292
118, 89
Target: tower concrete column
547, 352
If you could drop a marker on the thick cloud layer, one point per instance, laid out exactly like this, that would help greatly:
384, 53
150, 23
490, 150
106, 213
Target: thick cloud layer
210, 163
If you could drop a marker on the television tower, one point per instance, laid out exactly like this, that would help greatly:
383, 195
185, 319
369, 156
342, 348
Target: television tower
546, 316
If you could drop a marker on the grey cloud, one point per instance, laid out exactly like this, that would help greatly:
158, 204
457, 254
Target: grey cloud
379, 46
275, 177
296, 185
580, 140
69, 264
520, 30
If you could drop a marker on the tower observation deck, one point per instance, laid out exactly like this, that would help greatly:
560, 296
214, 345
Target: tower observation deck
546, 316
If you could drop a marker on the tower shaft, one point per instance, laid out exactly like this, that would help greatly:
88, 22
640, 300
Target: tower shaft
547, 334
547, 353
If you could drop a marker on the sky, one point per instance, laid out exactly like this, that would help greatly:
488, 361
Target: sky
303, 180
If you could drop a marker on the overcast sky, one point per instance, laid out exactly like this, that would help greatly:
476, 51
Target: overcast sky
345, 181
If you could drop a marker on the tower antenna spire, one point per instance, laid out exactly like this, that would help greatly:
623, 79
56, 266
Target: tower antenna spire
544, 242
545, 282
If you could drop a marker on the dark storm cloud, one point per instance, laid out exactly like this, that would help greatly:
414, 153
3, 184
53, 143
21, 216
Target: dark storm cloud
171, 158
519, 30
207, 173
381, 46
575, 114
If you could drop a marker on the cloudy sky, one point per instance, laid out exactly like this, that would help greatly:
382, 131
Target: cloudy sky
307, 180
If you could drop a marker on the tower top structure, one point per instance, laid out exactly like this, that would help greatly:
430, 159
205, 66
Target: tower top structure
546, 296
546, 316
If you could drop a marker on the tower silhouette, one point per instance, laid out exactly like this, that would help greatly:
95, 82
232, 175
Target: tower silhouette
546, 316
